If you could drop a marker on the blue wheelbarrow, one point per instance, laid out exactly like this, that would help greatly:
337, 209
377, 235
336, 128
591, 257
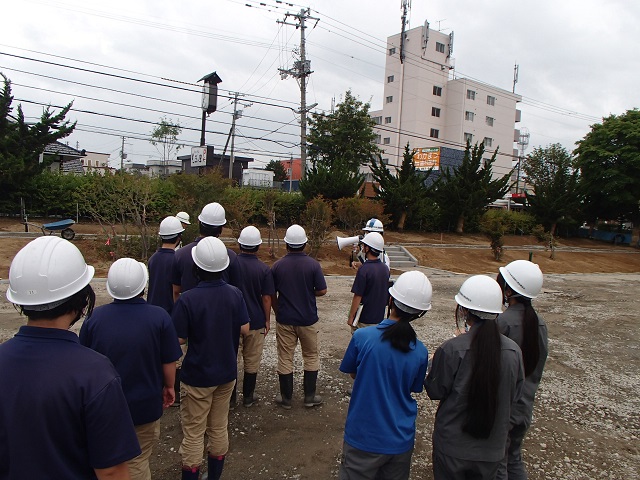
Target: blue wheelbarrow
62, 226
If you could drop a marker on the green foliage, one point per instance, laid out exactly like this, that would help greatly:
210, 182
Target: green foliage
344, 136
289, 208
192, 192
53, 194
494, 224
555, 184
21, 144
239, 204
404, 192
464, 192
333, 181
164, 137
317, 219
352, 213
539, 233
609, 161
279, 172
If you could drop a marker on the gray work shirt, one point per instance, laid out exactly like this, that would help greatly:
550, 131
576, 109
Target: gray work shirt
448, 381
510, 324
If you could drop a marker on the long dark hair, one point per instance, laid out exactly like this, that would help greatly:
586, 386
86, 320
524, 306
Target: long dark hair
530, 335
482, 402
81, 302
401, 334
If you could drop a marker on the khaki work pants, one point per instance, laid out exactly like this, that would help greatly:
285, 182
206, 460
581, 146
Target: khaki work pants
148, 434
204, 410
287, 337
252, 345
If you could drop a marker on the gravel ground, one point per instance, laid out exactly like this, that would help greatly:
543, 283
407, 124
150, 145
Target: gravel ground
586, 422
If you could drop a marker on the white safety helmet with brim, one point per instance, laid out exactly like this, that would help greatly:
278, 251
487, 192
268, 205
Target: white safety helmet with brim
481, 295
412, 292
295, 236
127, 278
46, 272
523, 277
170, 227
374, 240
183, 217
373, 225
250, 237
213, 214
210, 254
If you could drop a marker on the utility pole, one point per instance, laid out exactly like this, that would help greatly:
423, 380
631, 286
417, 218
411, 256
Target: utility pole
523, 141
300, 71
232, 133
122, 156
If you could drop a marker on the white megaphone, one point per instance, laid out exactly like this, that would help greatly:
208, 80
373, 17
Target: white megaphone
347, 241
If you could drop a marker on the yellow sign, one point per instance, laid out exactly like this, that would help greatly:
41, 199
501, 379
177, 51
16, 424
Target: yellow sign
426, 158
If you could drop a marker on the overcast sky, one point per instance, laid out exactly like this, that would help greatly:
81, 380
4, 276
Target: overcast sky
578, 62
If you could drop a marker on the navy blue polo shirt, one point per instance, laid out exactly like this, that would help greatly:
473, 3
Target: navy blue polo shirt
184, 272
256, 281
372, 284
161, 265
63, 412
382, 413
138, 338
297, 277
209, 317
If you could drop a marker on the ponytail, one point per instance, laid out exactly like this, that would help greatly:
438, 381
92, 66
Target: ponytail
401, 334
482, 400
530, 337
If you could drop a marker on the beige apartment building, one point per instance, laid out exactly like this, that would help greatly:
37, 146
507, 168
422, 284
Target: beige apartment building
426, 104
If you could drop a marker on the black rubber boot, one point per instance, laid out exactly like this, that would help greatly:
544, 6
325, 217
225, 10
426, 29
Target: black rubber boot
190, 474
286, 391
310, 397
215, 466
248, 389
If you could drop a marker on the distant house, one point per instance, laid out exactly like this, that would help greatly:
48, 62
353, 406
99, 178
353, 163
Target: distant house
65, 159
95, 162
217, 161
257, 177
156, 168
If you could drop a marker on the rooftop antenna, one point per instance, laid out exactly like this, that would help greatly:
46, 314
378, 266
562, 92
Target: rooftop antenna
523, 142
406, 7
516, 69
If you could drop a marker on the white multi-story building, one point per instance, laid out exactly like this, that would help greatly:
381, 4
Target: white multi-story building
95, 162
428, 106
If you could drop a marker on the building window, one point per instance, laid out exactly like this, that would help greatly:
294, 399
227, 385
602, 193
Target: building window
435, 112
385, 161
491, 100
390, 99
488, 142
392, 51
469, 116
387, 119
377, 120
386, 141
378, 139
471, 94
434, 133
390, 79
490, 121
437, 91
468, 137
439, 47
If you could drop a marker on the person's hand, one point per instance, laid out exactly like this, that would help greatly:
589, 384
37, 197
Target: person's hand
168, 397
355, 265
350, 322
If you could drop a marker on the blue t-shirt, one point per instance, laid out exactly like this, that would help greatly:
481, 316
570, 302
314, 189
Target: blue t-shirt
256, 281
297, 277
161, 265
139, 339
209, 317
382, 412
372, 284
63, 412
184, 272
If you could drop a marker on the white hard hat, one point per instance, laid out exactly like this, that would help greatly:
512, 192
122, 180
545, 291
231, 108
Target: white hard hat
210, 254
183, 217
127, 278
480, 293
250, 237
374, 240
412, 292
213, 214
46, 272
524, 277
374, 225
296, 236
170, 227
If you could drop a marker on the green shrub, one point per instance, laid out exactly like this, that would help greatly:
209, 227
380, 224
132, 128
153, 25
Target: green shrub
318, 217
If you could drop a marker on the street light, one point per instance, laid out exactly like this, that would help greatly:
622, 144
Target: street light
209, 99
